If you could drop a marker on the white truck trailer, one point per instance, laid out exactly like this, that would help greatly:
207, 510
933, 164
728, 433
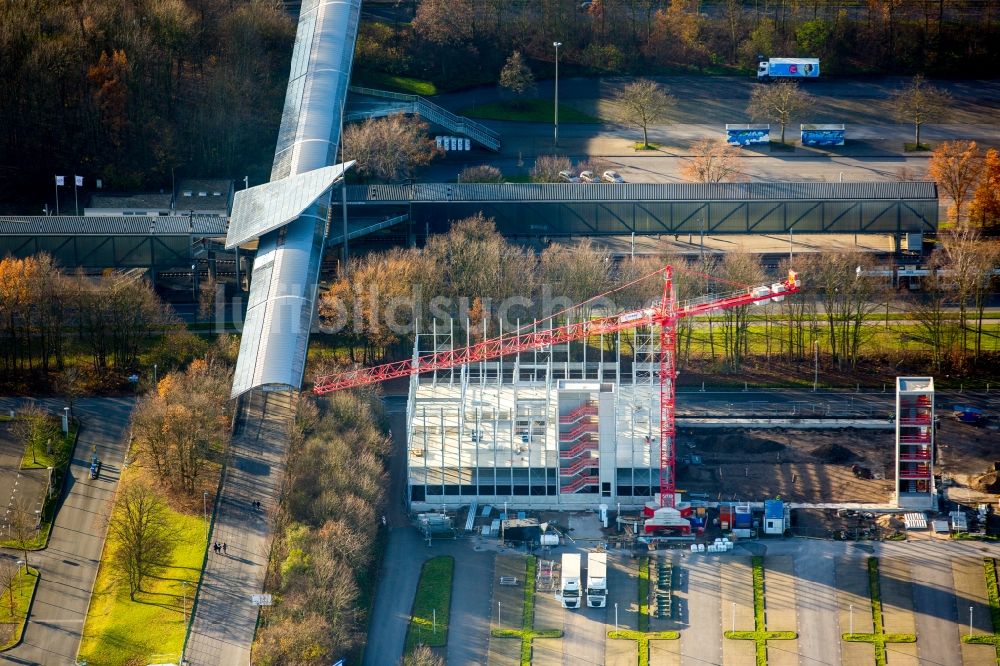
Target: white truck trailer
569, 585
597, 579
788, 68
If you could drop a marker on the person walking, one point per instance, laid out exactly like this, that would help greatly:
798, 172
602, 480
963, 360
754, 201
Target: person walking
224, 548
216, 547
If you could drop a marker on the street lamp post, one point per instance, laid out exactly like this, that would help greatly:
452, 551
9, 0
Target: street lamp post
852, 618
816, 366
555, 138
616, 616
734, 616
970, 620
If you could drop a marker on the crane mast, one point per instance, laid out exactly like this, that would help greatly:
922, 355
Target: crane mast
665, 315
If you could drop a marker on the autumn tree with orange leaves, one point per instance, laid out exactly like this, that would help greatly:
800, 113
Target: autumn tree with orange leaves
955, 166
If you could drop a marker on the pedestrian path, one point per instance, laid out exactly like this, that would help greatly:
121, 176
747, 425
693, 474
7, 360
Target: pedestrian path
224, 621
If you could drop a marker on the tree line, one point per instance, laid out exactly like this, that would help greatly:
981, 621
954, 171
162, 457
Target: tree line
323, 559
949, 37
129, 90
490, 285
45, 314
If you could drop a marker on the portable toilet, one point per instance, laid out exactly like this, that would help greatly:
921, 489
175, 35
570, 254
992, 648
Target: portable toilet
774, 517
741, 518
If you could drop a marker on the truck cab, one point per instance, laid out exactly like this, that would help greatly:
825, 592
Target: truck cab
569, 584
597, 580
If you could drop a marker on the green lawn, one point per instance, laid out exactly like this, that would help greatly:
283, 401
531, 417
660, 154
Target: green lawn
12, 623
121, 631
639, 145
433, 593
38, 457
528, 110
405, 84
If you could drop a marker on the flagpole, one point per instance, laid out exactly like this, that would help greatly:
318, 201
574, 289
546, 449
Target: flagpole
76, 199
57, 196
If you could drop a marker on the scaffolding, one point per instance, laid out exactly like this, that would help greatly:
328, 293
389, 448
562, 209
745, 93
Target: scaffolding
565, 427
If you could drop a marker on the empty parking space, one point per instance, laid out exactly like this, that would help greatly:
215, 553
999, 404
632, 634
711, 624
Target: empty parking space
897, 609
779, 607
854, 608
737, 610
819, 641
970, 591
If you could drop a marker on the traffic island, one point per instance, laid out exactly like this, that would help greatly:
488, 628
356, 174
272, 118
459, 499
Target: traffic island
15, 602
990, 573
879, 638
527, 633
431, 604
760, 635
643, 636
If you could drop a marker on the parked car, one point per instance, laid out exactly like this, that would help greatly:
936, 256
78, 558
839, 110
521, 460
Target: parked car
613, 177
569, 177
588, 177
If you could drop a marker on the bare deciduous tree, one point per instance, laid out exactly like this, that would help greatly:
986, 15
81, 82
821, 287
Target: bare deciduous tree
23, 523
848, 293
547, 168
389, 148
712, 161
919, 103
743, 268
577, 272
481, 174
9, 571
643, 103
779, 102
421, 656
143, 541
955, 166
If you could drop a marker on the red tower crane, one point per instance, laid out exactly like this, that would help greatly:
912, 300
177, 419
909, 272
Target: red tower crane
665, 315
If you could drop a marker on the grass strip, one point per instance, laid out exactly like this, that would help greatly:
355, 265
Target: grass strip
644, 594
878, 638
433, 597
527, 633
759, 635
14, 606
644, 635
990, 573
405, 84
528, 110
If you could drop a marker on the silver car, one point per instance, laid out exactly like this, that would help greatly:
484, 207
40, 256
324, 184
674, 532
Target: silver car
569, 177
588, 177
613, 177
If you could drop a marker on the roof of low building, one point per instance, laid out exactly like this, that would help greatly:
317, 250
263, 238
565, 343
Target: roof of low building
145, 201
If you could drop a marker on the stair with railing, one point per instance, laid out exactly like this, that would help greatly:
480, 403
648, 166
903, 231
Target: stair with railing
578, 483
584, 410
916, 472
575, 467
582, 447
478, 132
582, 430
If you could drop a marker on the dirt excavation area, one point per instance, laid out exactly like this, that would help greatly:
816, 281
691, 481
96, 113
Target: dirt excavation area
825, 465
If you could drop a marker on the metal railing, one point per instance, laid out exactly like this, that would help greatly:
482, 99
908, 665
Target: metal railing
432, 112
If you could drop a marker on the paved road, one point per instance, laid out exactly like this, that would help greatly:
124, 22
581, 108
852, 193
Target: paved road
69, 565
224, 621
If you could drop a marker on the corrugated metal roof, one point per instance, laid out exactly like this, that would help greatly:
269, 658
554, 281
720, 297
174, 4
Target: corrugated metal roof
126, 225
526, 192
148, 200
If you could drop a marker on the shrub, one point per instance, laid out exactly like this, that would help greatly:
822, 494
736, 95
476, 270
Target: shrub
484, 173
547, 168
